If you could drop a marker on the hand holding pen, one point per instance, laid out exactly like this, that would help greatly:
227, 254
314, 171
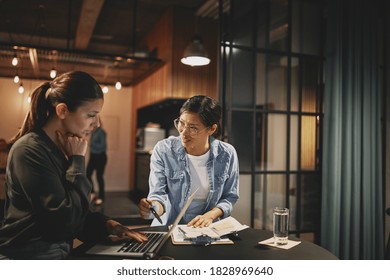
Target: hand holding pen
146, 208
155, 213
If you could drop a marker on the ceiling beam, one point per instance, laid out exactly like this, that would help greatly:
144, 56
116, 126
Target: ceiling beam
88, 16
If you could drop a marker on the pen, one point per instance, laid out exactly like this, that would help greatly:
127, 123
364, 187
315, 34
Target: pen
182, 232
155, 213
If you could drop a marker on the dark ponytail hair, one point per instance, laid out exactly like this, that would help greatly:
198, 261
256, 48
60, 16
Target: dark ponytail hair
208, 110
72, 88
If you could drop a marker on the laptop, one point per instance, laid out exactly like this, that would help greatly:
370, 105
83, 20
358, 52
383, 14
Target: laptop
130, 248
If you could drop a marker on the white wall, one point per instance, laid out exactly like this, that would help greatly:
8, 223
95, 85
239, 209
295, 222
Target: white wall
13, 106
116, 119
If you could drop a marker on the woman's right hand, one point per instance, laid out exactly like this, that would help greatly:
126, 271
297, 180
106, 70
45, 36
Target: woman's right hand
72, 145
145, 205
123, 232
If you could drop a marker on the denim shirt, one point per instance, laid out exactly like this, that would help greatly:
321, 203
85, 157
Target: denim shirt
170, 179
98, 141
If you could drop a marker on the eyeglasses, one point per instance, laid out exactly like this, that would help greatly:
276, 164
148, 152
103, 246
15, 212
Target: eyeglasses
191, 130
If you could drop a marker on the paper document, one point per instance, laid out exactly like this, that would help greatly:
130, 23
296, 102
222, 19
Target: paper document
227, 226
271, 242
215, 230
179, 238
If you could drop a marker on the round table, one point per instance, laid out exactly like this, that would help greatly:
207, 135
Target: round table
246, 247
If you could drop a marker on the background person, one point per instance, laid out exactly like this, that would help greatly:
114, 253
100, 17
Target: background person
47, 191
98, 160
194, 160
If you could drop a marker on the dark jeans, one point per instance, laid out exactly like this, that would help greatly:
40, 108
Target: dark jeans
97, 162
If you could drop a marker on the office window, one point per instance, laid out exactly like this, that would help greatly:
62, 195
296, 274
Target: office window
277, 142
294, 85
271, 86
241, 134
294, 144
242, 71
271, 81
278, 25
245, 15
306, 27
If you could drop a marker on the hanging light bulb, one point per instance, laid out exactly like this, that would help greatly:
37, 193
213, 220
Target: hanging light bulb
29, 99
118, 85
105, 89
16, 79
53, 73
21, 88
195, 53
15, 60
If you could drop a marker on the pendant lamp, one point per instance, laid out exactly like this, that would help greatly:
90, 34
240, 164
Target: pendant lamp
195, 53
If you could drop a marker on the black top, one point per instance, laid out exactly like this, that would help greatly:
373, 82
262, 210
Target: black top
47, 195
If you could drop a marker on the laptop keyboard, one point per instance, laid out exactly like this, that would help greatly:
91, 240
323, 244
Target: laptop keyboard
137, 247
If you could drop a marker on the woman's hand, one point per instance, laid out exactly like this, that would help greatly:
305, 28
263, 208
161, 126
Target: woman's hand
121, 231
145, 205
200, 221
72, 145
206, 219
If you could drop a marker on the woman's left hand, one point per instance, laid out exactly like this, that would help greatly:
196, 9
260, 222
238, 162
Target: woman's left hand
200, 221
72, 145
206, 219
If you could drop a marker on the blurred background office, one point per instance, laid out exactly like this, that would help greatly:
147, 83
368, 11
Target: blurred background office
97, 163
304, 85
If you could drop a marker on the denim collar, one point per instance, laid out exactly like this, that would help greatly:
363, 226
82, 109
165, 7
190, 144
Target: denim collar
181, 152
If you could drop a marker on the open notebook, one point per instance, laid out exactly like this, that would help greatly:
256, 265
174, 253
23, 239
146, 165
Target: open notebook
133, 249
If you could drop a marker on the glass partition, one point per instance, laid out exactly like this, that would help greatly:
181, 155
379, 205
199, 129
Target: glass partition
272, 88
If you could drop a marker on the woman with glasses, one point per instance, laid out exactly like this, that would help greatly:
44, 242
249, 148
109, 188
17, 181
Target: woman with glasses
193, 161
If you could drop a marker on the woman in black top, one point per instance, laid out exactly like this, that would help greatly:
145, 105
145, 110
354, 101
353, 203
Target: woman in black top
47, 191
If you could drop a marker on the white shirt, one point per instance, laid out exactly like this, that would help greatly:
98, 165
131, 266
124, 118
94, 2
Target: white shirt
198, 172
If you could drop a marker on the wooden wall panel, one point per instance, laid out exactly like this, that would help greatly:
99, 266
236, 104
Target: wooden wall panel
158, 85
188, 81
170, 36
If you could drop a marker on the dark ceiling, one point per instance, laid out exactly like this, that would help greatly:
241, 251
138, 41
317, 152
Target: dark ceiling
98, 36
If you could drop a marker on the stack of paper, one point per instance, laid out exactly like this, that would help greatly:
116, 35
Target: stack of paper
217, 231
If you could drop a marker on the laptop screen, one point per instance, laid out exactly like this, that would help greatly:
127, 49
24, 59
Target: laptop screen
175, 223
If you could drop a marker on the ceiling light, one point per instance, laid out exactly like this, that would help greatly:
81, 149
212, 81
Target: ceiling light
15, 60
118, 85
105, 89
21, 88
16, 79
195, 53
53, 73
